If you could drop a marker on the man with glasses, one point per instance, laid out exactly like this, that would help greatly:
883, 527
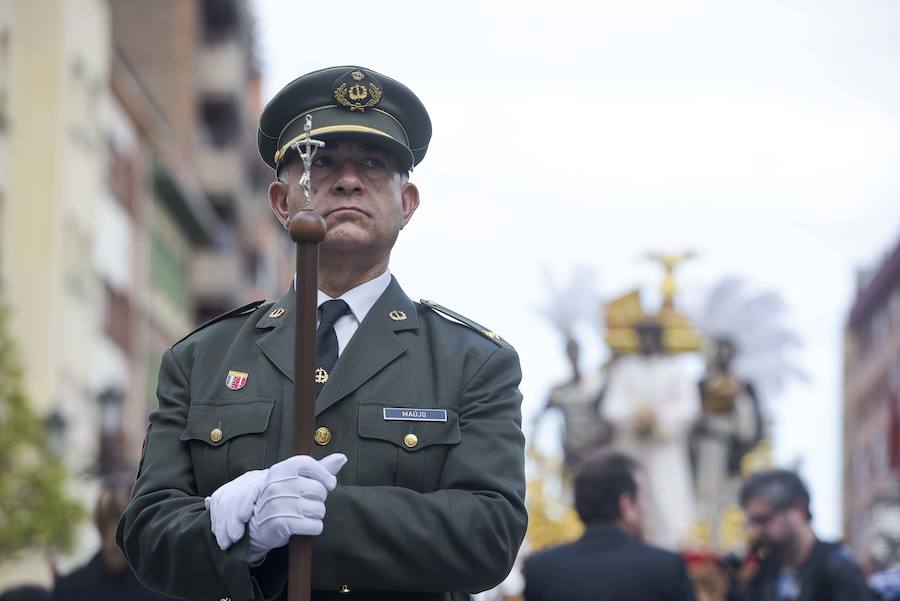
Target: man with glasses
795, 565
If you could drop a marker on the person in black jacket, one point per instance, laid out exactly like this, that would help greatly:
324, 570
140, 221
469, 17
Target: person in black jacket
794, 564
27, 592
609, 562
106, 577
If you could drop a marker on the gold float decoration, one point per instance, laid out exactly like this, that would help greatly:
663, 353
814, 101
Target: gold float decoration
551, 521
624, 314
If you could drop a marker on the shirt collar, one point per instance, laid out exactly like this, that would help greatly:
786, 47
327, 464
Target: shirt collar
362, 298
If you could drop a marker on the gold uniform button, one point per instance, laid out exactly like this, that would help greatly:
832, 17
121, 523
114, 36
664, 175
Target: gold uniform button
411, 440
215, 435
345, 589
323, 436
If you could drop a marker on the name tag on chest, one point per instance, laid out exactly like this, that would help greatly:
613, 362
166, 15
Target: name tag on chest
414, 415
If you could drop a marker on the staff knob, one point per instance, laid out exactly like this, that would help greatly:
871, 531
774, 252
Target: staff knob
307, 226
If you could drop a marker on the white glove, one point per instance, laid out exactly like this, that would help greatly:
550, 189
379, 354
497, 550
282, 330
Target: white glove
291, 502
232, 505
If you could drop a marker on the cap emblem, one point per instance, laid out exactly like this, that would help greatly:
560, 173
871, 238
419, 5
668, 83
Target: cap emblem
355, 95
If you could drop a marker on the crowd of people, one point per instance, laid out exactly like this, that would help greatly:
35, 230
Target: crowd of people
786, 560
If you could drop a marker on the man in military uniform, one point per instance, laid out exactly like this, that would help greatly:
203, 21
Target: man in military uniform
419, 452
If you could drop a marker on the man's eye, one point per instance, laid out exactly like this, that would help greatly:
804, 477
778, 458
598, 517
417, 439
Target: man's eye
373, 163
324, 161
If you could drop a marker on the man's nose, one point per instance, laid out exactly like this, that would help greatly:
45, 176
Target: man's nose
348, 180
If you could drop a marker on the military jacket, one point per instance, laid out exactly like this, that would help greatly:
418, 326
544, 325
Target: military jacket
416, 517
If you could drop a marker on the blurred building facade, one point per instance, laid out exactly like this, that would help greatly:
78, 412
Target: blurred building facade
872, 399
132, 207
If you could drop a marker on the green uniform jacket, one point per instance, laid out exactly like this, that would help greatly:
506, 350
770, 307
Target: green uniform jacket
445, 516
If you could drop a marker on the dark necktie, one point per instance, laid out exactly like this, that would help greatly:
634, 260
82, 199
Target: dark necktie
326, 339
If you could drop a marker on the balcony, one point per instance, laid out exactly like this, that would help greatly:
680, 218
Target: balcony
221, 172
223, 69
217, 274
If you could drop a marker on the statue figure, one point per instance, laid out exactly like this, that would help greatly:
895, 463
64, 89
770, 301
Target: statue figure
578, 397
652, 402
579, 400
729, 426
747, 342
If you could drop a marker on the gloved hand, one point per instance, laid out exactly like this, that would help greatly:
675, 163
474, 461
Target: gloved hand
291, 501
232, 505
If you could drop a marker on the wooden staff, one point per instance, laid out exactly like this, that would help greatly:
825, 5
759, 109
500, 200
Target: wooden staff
307, 230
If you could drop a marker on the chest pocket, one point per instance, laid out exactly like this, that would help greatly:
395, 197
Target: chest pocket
227, 439
410, 454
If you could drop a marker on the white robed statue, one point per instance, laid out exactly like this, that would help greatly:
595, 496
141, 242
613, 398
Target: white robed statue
652, 401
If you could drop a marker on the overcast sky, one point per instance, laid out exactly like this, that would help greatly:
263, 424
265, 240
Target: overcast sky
763, 135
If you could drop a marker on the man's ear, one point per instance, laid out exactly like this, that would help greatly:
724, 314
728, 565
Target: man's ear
628, 507
409, 195
278, 193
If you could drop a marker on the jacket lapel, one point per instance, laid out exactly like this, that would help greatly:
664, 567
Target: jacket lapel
373, 346
278, 343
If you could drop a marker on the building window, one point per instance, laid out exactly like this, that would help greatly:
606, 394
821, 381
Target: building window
221, 19
894, 310
880, 327
4, 75
169, 272
118, 318
77, 272
121, 179
225, 206
152, 363
221, 121
2, 208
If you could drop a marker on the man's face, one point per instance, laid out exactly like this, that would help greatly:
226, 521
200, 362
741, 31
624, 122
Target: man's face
768, 526
650, 337
358, 190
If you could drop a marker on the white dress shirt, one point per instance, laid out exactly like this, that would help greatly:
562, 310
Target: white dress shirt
360, 300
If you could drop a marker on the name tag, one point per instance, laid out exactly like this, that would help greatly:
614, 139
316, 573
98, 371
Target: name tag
414, 415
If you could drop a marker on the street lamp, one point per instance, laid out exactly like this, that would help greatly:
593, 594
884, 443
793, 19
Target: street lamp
55, 425
111, 401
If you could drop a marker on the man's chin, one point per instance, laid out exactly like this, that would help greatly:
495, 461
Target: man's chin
344, 240
775, 551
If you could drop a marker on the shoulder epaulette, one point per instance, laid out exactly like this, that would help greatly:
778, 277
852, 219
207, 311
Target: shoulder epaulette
444, 311
248, 308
